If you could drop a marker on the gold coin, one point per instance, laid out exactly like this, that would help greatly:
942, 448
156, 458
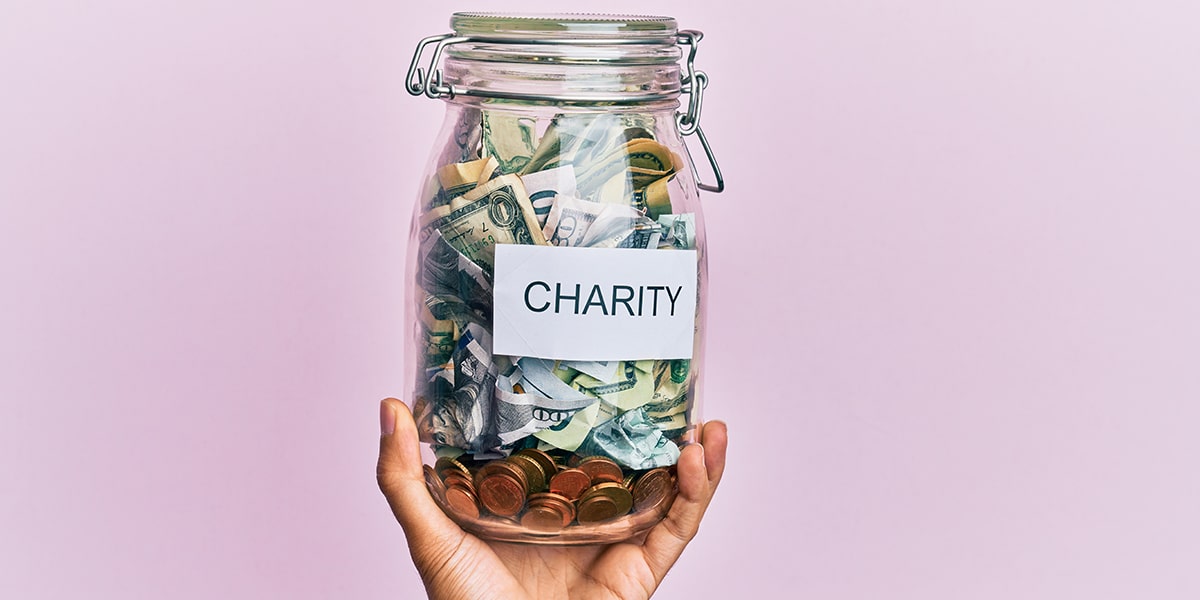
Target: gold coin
596, 509
549, 467
534, 474
621, 498
628, 481
446, 463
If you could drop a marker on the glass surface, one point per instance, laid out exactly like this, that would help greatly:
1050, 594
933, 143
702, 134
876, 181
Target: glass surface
533, 449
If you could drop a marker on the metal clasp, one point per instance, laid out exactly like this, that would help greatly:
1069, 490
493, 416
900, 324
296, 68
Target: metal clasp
693, 84
431, 86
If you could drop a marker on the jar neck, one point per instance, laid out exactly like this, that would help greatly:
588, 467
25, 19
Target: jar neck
619, 74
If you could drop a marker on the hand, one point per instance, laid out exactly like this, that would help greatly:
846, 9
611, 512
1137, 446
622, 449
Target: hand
456, 564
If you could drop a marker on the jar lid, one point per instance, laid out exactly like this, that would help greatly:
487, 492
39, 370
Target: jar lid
577, 27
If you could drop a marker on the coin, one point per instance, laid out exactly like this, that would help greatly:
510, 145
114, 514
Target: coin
502, 467
436, 488
446, 463
542, 518
501, 488
596, 509
601, 469
560, 504
462, 501
653, 489
616, 493
454, 477
549, 467
534, 474
570, 483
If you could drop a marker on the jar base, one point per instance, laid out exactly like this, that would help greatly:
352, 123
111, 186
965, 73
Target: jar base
531, 524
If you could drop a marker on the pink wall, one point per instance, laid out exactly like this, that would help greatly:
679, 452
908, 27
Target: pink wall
954, 323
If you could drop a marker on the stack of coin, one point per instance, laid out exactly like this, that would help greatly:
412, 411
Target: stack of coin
570, 483
604, 501
502, 488
537, 466
459, 487
548, 511
532, 488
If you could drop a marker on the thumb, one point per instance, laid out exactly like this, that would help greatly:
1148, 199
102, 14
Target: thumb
402, 480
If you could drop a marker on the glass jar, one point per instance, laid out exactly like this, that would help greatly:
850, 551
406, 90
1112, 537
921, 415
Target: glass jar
557, 264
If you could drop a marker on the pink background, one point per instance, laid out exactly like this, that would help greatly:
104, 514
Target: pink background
954, 318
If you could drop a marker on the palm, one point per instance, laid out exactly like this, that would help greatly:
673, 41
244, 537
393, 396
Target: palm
455, 564
481, 570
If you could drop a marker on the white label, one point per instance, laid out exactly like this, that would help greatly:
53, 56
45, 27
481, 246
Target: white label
594, 304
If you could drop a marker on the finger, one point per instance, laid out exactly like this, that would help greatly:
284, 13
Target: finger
699, 468
715, 438
402, 479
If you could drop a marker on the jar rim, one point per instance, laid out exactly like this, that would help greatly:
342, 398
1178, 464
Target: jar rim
648, 29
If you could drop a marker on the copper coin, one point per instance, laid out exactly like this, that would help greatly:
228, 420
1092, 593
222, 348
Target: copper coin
534, 476
436, 488
615, 492
570, 483
542, 518
462, 501
653, 488
601, 469
628, 481
502, 467
597, 509
454, 477
446, 463
501, 494
560, 504
549, 467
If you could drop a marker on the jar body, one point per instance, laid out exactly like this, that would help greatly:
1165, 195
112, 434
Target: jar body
552, 380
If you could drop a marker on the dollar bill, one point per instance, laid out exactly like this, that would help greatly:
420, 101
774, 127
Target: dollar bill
600, 181
474, 383
570, 434
631, 440
678, 231
447, 273
667, 408
643, 234
510, 138
601, 370
539, 375
544, 187
521, 414
574, 222
457, 179
624, 175
630, 388
441, 337
498, 212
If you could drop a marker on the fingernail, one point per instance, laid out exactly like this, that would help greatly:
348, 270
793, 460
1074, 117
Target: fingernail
387, 419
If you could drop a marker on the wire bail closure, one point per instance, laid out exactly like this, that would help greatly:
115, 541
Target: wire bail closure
428, 81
